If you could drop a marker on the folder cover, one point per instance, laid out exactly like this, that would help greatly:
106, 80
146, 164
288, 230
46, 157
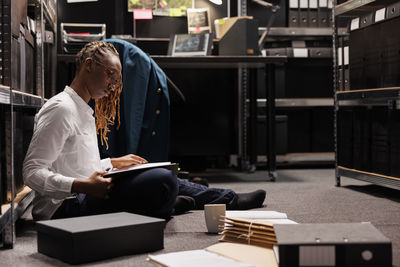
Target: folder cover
332, 244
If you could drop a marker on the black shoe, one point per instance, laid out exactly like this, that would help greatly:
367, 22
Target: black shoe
183, 204
251, 200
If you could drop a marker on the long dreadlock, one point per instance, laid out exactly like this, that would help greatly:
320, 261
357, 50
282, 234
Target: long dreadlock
106, 108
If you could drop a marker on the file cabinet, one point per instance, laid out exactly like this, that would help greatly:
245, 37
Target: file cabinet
27, 76
367, 92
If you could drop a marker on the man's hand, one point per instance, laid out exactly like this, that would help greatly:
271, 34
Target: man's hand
96, 186
127, 161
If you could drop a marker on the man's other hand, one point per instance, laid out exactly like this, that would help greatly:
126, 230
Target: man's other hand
127, 161
96, 186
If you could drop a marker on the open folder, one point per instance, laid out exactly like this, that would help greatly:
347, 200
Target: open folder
218, 255
137, 168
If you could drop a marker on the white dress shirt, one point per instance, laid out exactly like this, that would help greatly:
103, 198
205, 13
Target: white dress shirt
63, 147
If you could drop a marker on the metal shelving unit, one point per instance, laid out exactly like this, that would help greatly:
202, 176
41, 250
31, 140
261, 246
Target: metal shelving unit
14, 100
287, 34
370, 97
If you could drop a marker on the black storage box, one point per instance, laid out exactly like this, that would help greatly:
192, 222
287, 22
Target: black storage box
90, 238
332, 244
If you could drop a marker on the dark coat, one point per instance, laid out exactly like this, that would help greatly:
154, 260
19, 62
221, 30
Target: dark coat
145, 116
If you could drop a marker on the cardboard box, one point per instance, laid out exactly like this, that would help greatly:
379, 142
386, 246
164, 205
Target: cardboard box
90, 238
223, 25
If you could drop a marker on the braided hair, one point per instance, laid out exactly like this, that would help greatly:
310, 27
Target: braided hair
106, 108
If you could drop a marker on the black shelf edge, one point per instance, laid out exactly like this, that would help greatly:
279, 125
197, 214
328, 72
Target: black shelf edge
378, 93
376, 178
360, 7
22, 99
298, 102
301, 31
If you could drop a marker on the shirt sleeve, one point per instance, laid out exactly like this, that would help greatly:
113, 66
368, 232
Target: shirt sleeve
52, 128
106, 164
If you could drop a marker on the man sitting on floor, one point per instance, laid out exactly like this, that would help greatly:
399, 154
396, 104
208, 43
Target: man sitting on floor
63, 164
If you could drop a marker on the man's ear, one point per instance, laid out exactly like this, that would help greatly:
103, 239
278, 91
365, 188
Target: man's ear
89, 64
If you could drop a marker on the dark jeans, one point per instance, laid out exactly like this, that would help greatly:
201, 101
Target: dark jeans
152, 193
204, 195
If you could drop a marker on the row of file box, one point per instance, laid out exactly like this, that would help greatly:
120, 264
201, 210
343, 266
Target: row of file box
369, 140
311, 52
310, 13
369, 57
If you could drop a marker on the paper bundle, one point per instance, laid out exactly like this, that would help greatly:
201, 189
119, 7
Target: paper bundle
248, 232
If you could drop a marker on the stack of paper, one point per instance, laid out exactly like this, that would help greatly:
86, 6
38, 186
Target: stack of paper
249, 232
260, 216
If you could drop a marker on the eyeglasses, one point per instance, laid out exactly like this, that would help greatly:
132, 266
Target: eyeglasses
114, 77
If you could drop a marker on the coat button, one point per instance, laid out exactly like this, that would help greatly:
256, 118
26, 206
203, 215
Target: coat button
158, 112
153, 133
159, 90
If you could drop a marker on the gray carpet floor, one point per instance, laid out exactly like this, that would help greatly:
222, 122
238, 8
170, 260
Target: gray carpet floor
305, 195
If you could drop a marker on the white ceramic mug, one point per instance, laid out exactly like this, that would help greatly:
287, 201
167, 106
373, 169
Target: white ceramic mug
213, 213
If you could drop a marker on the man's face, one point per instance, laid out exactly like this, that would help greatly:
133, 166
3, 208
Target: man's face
106, 76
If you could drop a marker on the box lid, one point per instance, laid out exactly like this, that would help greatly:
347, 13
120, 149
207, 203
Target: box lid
93, 223
328, 233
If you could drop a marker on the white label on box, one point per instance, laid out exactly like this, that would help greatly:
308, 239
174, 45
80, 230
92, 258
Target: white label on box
317, 256
313, 3
339, 56
380, 14
303, 3
300, 52
293, 3
355, 24
346, 55
323, 3
330, 3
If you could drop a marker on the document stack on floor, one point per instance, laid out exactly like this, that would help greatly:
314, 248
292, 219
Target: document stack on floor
252, 227
251, 242
249, 232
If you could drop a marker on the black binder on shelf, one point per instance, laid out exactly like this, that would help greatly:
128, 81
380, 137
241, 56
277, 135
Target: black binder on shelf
391, 58
323, 13
346, 60
340, 66
380, 148
373, 56
393, 10
356, 59
332, 244
361, 139
322, 52
313, 13
394, 135
345, 138
304, 14
293, 13
366, 20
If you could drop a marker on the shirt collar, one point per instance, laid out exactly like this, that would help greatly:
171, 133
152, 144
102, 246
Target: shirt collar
78, 100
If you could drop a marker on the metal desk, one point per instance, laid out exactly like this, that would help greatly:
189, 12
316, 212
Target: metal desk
242, 62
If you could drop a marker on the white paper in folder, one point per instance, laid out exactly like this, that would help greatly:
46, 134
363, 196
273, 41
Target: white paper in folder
195, 258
